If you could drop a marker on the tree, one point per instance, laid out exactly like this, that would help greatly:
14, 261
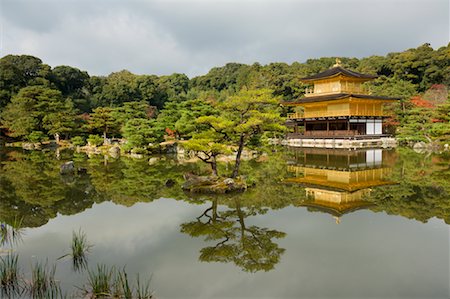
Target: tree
249, 247
140, 132
119, 87
18, 71
181, 116
38, 108
72, 83
68, 79
102, 119
207, 146
243, 118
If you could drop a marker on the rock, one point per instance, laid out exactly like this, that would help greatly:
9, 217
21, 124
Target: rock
419, 145
67, 168
114, 152
170, 183
28, 146
81, 170
153, 160
212, 184
228, 181
169, 147
136, 156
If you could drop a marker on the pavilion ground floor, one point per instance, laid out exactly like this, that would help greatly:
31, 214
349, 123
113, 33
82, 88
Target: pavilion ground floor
346, 132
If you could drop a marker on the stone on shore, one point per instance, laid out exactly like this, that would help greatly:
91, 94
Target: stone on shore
67, 168
213, 184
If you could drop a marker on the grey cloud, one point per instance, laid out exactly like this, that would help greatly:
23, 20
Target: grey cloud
192, 36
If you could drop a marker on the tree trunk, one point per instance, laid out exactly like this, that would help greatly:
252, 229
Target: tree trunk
214, 210
56, 137
238, 157
104, 137
214, 166
241, 219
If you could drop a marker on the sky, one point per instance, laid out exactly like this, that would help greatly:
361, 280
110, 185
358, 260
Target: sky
192, 36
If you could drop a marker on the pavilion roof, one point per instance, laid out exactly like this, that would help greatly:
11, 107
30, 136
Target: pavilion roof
337, 210
336, 71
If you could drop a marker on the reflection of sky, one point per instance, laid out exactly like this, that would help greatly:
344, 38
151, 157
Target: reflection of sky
366, 255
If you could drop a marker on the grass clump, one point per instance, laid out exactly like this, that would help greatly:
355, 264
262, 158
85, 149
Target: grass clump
80, 248
9, 275
100, 281
11, 234
43, 283
143, 289
105, 282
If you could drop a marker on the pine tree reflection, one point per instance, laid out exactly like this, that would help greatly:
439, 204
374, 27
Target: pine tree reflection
247, 246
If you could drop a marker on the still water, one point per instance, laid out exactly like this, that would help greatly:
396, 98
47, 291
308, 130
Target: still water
316, 224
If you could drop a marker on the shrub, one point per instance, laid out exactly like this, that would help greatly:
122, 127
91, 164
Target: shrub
37, 137
95, 140
78, 141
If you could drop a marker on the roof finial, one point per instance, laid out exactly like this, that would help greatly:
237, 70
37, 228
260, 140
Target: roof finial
338, 62
337, 219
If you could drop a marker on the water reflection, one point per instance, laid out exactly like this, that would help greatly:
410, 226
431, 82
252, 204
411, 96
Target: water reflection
249, 247
340, 181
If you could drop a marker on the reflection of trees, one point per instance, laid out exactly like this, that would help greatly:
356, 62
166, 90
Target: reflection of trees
127, 181
32, 189
423, 188
249, 247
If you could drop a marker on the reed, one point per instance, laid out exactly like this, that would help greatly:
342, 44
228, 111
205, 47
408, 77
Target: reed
109, 283
9, 270
10, 277
143, 289
80, 248
11, 234
43, 283
125, 291
100, 281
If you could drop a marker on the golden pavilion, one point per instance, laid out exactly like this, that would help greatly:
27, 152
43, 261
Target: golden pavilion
338, 111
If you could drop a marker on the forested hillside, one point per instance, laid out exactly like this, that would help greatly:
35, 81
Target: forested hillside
38, 102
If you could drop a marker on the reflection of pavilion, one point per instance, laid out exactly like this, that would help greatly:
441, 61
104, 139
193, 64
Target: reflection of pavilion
339, 181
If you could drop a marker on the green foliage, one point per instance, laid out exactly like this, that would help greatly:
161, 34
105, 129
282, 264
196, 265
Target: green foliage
181, 116
243, 118
95, 140
103, 120
18, 71
78, 141
37, 137
38, 108
140, 132
207, 145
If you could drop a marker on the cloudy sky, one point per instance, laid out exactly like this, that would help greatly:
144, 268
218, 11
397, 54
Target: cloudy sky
191, 36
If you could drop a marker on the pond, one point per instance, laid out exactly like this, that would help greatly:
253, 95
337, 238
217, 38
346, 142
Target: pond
318, 223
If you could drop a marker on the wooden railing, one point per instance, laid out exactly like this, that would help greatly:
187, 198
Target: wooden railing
334, 113
295, 115
323, 133
331, 133
345, 112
